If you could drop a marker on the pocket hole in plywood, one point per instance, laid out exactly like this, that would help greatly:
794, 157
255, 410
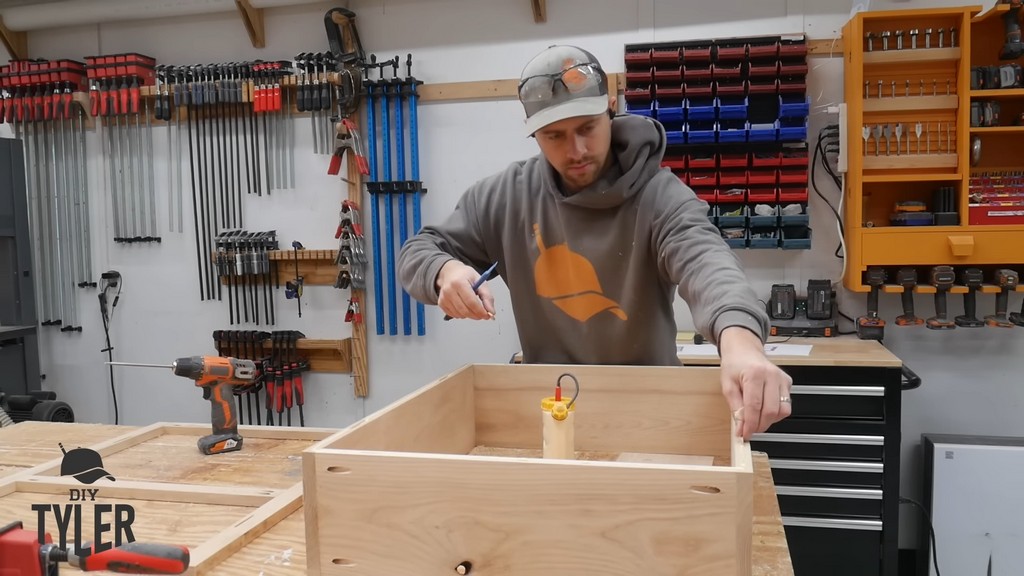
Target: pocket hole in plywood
339, 470
343, 562
704, 489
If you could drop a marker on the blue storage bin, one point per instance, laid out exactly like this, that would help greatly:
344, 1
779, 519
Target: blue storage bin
792, 130
763, 132
675, 136
732, 215
793, 106
732, 131
733, 237
759, 221
763, 237
795, 238
644, 109
671, 116
701, 132
700, 109
802, 219
732, 108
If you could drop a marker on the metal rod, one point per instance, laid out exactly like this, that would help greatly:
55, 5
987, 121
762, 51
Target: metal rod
138, 364
149, 170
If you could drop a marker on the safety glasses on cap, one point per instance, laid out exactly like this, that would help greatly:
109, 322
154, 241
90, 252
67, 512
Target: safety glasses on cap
537, 92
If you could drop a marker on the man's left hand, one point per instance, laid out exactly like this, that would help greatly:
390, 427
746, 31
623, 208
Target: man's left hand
757, 390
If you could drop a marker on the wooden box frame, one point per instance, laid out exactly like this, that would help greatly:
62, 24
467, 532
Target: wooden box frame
407, 489
237, 479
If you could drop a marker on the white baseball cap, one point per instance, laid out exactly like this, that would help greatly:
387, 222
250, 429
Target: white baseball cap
561, 82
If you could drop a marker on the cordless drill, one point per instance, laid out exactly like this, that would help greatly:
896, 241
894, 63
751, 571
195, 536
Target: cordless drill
942, 277
871, 327
218, 376
907, 277
972, 278
1013, 48
1006, 280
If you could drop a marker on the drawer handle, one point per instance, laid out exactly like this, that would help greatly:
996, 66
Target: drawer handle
821, 492
818, 438
828, 466
872, 525
839, 390
961, 245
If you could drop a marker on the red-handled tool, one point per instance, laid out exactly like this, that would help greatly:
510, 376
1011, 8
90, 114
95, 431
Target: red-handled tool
136, 558
21, 554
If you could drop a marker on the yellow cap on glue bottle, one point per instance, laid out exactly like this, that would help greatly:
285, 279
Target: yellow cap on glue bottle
558, 433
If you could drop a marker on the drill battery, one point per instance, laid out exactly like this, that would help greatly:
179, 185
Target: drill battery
997, 77
985, 113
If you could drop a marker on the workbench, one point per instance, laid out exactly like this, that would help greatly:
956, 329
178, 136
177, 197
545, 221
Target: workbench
28, 447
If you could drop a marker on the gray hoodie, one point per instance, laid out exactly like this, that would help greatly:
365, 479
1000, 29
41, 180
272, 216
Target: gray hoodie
592, 275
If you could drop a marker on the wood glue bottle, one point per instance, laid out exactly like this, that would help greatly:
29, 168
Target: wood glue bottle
557, 415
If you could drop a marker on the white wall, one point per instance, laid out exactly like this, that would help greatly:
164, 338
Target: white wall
968, 387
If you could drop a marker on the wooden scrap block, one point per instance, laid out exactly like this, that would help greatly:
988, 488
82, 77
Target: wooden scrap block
450, 479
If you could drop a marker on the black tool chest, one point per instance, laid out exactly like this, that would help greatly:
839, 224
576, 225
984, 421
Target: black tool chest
835, 463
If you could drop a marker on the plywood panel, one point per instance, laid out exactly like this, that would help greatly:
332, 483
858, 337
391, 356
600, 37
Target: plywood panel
175, 458
438, 418
189, 524
280, 551
31, 443
653, 410
503, 514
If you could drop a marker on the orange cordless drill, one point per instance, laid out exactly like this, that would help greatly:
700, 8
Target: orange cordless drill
217, 376
21, 554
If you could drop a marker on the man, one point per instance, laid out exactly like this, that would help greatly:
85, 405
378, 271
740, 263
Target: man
592, 236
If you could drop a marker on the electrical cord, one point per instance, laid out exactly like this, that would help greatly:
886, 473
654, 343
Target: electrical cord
113, 280
931, 530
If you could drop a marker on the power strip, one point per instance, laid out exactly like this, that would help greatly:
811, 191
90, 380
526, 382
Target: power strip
841, 161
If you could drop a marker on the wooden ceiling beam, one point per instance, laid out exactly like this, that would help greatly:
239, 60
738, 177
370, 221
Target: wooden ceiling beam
540, 11
253, 20
15, 42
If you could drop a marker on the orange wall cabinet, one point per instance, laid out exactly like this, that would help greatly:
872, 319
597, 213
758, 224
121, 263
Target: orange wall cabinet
912, 194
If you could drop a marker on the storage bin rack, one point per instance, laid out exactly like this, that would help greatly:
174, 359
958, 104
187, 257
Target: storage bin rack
923, 203
735, 114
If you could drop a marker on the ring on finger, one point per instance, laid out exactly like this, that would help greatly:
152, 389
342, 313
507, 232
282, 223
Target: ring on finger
785, 399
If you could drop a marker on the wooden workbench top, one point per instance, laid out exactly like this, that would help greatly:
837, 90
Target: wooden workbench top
835, 351
281, 550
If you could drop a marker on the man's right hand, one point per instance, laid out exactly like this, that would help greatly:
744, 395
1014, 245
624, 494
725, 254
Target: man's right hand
455, 293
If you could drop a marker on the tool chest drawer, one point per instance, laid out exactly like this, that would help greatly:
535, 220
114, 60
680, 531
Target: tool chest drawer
836, 547
819, 446
823, 401
831, 502
831, 473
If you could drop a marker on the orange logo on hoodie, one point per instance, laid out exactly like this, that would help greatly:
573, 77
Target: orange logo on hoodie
569, 280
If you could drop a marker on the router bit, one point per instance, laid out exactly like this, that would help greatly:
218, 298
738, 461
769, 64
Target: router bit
885, 40
952, 37
870, 36
928, 38
913, 38
942, 33
899, 39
